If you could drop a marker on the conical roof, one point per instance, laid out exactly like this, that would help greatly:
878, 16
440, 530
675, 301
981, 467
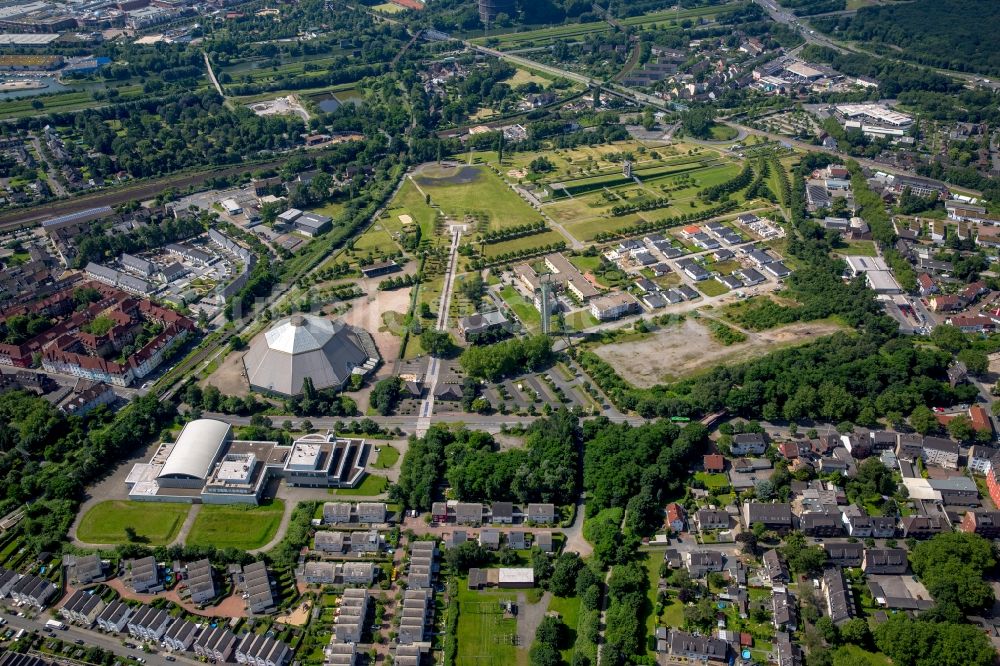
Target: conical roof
303, 346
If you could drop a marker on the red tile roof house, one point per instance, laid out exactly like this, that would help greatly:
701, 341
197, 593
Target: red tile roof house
675, 517
714, 462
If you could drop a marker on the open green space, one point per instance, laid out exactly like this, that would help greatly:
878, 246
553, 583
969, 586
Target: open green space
477, 193
581, 319
522, 307
532, 241
387, 457
721, 132
155, 523
711, 481
374, 240
712, 287
485, 636
859, 657
236, 526
372, 485
568, 609
859, 248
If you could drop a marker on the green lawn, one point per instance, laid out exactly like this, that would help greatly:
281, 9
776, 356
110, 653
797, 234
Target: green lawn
723, 132
856, 656
530, 242
484, 635
569, 611
712, 480
236, 526
372, 485
155, 523
581, 319
524, 309
712, 287
375, 240
484, 197
387, 457
858, 248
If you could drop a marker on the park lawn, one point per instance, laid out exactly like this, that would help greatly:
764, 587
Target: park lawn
530, 242
156, 523
712, 480
524, 309
372, 485
485, 637
374, 240
409, 201
332, 209
723, 132
486, 197
712, 287
236, 526
569, 611
387, 457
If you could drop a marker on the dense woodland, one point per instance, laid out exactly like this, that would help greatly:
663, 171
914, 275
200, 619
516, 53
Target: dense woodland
950, 34
46, 459
473, 465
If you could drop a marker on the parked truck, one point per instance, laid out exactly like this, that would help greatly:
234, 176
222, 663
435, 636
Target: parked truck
55, 624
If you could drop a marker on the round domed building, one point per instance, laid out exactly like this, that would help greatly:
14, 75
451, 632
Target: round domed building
328, 352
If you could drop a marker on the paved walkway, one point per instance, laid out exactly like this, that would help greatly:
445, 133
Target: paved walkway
182, 534
286, 518
574, 533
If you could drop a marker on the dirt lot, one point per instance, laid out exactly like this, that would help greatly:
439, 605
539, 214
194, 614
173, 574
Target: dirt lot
230, 377
678, 351
366, 312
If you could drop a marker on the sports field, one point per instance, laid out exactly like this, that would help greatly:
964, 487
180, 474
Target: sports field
236, 526
485, 636
155, 523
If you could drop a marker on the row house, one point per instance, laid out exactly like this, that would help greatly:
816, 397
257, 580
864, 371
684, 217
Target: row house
215, 644
114, 618
149, 624
180, 636
82, 608
262, 650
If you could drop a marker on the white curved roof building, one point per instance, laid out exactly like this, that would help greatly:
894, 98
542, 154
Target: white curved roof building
195, 451
300, 346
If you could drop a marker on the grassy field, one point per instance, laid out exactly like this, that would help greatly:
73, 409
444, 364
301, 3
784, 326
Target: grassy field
485, 637
477, 193
581, 319
712, 480
409, 201
375, 240
155, 523
524, 242
387, 457
372, 485
236, 526
524, 309
569, 613
723, 132
712, 287
859, 248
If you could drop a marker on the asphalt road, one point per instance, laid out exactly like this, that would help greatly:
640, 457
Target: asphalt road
105, 641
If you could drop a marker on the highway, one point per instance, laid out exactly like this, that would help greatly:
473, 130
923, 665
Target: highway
108, 642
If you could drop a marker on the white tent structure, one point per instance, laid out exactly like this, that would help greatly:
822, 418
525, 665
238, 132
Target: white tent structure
300, 346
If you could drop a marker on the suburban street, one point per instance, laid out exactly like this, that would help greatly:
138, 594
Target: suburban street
95, 638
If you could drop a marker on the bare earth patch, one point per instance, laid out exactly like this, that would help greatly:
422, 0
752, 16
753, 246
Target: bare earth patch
675, 352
